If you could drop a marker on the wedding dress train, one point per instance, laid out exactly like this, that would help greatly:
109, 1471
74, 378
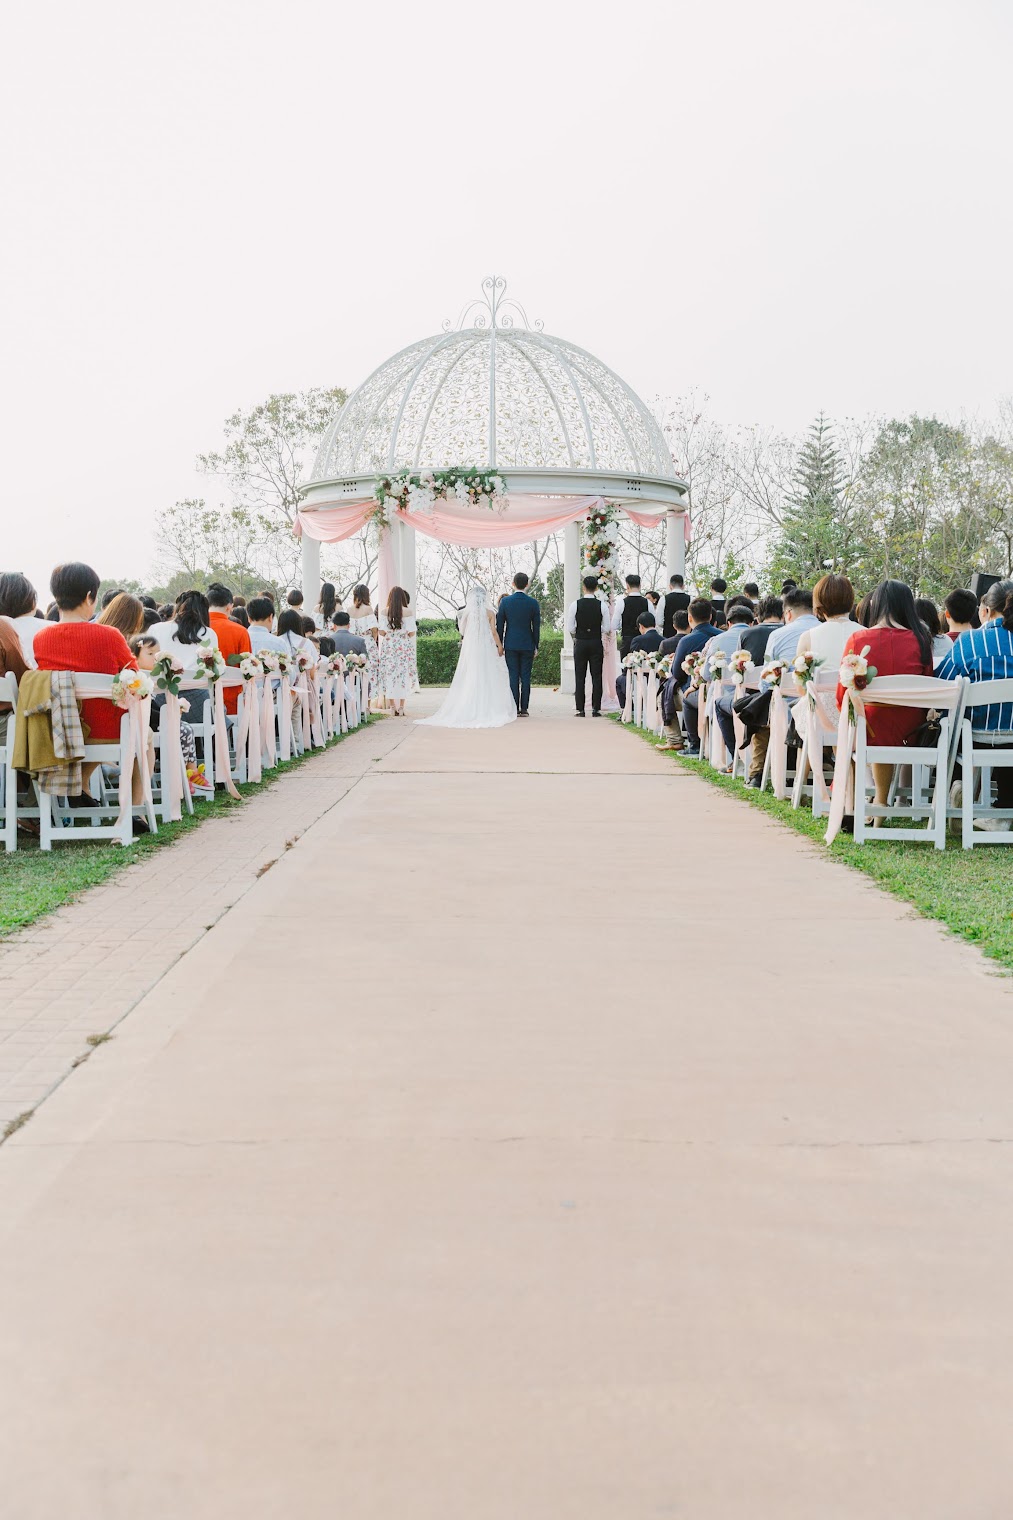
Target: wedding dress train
479, 695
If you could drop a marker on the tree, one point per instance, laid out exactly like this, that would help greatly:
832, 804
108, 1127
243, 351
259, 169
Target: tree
816, 532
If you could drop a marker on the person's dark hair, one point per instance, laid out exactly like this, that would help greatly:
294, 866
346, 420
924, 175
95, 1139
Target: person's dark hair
520, 580
719, 584
219, 595
645, 620
740, 614
166, 612
142, 641
295, 597
680, 620
309, 627
700, 610
341, 619
289, 623
258, 608
108, 597
999, 598
634, 581
963, 607
929, 614
17, 595
398, 601
73, 584
241, 616
751, 590
770, 607
893, 603
327, 645
798, 598
740, 599
787, 584
654, 597
269, 594
125, 613
191, 613
833, 596
149, 602
151, 617
360, 596
591, 583
676, 582
328, 601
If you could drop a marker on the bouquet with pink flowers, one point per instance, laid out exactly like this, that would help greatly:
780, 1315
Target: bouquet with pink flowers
856, 672
693, 667
773, 671
716, 663
167, 672
250, 667
285, 661
269, 661
305, 662
805, 666
210, 663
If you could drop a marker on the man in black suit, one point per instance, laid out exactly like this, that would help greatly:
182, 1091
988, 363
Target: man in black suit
677, 600
519, 624
648, 640
627, 612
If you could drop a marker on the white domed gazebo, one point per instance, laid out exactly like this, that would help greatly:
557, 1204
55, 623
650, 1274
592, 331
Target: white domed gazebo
542, 426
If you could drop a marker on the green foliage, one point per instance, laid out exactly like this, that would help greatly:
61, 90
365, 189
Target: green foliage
815, 531
438, 655
552, 598
429, 626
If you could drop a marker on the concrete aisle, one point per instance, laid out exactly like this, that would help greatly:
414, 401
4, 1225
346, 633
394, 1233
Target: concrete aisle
505, 1188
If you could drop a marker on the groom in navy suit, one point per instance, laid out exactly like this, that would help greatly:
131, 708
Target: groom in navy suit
518, 623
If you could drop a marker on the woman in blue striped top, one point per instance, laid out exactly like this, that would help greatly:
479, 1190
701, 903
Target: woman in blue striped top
986, 654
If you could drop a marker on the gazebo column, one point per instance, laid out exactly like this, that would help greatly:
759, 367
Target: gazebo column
675, 543
409, 572
571, 590
310, 570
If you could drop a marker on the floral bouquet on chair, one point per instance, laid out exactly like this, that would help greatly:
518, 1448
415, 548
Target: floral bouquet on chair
693, 667
305, 663
269, 661
211, 663
717, 665
353, 661
167, 672
805, 666
130, 686
739, 661
285, 661
856, 672
773, 671
249, 667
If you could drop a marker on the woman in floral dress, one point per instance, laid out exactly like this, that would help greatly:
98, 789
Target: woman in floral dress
398, 675
363, 622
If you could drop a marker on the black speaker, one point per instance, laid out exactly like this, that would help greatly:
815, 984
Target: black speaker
980, 582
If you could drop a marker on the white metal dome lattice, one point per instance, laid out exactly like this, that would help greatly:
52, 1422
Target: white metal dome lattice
494, 392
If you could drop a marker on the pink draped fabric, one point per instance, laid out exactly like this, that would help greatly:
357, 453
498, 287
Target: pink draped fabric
386, 569
522, 519
335, 521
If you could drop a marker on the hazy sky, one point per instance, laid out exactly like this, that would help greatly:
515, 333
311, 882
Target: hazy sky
785, 205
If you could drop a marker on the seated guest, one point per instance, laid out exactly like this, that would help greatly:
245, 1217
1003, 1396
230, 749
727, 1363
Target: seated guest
290, 626
647, 641
701, 631
233, 641
833, 604
19, 605
184, 635
961, 612
88, 648
986, 654
124, 612
929, 614
241, 616
295, 599
717, 598
310, 630
110, 596
756, 638
899, 645
797, 605
345, 641
261, 615
740, 617
752, 590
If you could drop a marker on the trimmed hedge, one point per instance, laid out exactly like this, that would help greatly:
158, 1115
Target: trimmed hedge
428, 626
438, 659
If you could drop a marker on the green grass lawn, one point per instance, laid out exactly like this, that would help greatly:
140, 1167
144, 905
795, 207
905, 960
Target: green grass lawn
33, 883
970, 891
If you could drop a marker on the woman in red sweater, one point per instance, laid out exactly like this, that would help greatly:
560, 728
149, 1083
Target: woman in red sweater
899, 645
76, 643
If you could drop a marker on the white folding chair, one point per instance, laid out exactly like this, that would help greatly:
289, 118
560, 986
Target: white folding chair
979, 761
931, 763
820, 736
59, 824
8, 775
776, 768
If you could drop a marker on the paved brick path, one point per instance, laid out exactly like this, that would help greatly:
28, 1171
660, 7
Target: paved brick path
77, 972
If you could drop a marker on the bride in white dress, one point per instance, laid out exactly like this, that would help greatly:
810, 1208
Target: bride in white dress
479, 696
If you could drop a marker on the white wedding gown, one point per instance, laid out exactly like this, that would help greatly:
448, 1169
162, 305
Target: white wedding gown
479, 695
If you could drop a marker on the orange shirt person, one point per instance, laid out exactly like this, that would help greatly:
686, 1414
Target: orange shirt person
233, 639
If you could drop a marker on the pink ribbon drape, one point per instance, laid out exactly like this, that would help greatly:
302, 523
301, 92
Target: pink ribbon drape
223, 761
173, 767
134, 749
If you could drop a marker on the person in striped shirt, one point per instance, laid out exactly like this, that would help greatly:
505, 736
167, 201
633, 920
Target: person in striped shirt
986, 654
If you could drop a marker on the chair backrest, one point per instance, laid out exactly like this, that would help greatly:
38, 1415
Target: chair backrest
94, 684
916, 691
984, 693
9, 689
826, 680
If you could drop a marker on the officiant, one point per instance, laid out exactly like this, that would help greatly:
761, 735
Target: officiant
588, 623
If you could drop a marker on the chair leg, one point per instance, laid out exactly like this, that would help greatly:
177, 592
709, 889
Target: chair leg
967, 789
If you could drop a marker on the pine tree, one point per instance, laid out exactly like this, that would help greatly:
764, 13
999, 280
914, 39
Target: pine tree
813, 533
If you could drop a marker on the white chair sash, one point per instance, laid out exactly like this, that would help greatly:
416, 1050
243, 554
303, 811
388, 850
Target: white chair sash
134, 753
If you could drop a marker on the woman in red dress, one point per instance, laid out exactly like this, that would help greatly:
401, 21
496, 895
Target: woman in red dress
898, 644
